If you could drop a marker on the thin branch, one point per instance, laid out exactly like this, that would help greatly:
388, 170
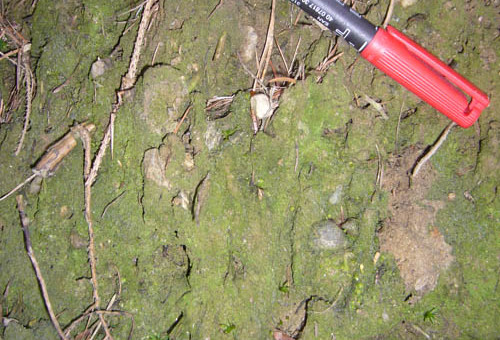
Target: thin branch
396, 146
220, 3
131, 75
433, 150
294, 56
182, 119
296, 157
29, 83
29, 179
261, 83
388, 16
85, 137
136, 8
36, 267
281, 54
3, 56
333, 303
8, 54
283, 80
92, 169
127, 82
88, 314
268, 48
380, 169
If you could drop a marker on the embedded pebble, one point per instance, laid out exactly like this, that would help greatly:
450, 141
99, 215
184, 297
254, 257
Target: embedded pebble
182, 200
407, 3
385, 316
165, 98
247, 48
77, 241
213, 137
261, 105
337, 194
154, 168
329, 236
99, 67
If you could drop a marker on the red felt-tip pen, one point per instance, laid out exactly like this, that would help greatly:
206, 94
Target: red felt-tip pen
403, 60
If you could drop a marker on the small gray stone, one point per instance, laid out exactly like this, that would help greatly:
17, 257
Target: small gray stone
337, 194
329, 236
154, 168
247, 48
408, 3
213, 137
385, 316
165, 98
99, 67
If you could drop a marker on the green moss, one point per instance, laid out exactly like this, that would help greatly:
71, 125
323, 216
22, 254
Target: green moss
244, 250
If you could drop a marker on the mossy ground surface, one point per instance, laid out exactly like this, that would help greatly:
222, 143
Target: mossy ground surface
212, 232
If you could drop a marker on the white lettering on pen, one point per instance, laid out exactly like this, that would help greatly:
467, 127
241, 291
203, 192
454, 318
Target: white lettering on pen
343, 34
322, 16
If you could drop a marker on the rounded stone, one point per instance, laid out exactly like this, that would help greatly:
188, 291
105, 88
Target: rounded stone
329, 236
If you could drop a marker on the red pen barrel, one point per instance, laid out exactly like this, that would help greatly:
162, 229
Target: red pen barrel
425, 75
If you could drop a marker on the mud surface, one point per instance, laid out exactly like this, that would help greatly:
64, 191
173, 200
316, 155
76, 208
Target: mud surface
309, 229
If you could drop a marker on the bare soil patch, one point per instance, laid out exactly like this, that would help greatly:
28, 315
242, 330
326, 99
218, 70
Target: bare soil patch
410, 234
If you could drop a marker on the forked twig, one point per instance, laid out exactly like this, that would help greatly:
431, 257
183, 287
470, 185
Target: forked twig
127, 83
85, 137
92, 169
36, 267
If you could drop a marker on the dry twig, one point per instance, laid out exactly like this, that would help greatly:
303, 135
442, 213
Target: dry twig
388, 16
19, 186
331, 58
85, 137
433, 150
182, 119
380, 169
36, 267
92, 169
283, 80
54, 155
294, 58
268, 48
219, 104
127, 83
23, 68
396, 142
220, 3
8, 54
30, 86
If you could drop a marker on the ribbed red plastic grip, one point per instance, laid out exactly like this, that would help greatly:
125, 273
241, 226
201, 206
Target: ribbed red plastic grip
425, 75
